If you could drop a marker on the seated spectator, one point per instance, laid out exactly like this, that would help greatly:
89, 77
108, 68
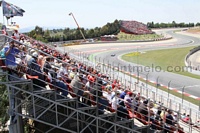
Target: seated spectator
29, 58
90, 83
61, 87
115, 101
142, 109
63, 72
98, 92
163, 114
41, 61
72, 73
122, 113
136, 103
35, 70
128, 100
197, 124
187, 119
183, 115
47, 65
78, 87
123, 94
108, 94
16, 34
170, 123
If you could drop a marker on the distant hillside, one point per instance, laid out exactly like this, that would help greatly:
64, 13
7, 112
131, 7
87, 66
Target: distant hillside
28, 29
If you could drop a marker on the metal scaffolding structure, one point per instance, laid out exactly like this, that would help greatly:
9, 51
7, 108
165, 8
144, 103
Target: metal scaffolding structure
52, 113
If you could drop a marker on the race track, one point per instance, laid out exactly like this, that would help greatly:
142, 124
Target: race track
102, 52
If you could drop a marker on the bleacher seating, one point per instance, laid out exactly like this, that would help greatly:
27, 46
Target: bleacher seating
134, 27
80, 70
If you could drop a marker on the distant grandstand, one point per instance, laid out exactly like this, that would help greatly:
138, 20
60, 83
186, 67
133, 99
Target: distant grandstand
134, 27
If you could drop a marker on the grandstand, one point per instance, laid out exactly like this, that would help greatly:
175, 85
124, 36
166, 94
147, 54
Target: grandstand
134, 27
54, 92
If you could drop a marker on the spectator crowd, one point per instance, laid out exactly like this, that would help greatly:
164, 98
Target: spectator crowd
134, 27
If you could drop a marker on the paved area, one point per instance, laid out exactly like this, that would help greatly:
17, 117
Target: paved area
194, 60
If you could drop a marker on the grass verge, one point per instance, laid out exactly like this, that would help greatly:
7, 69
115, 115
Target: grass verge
170, 60
123, 36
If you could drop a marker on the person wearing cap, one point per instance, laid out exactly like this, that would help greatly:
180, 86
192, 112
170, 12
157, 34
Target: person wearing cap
33, 67
35, 70
90, 83
78, 87
29, 58
128, 100
10, 51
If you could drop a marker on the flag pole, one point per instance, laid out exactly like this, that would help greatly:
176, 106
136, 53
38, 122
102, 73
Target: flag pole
2, 12
7, 21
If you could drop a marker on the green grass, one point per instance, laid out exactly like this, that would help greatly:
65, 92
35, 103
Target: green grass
170, 60
124, 36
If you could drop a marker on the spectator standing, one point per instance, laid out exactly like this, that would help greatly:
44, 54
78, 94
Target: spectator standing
10, 51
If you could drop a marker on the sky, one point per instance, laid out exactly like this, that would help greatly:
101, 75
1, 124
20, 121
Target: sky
96, 13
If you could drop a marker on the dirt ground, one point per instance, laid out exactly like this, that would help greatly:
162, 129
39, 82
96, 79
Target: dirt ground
194, 30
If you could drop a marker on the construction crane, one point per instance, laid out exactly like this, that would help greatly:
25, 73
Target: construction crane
71, 14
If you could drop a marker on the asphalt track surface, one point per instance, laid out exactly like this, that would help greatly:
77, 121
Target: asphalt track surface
103, 53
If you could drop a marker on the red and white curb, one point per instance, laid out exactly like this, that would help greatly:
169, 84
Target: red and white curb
175, 90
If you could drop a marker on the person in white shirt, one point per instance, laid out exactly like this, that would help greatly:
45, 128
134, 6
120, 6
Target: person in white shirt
63, 72
108, 94
115, 101
16, 34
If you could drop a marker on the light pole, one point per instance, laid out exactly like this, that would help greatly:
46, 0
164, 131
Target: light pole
157, 85
147, 79
183, 90
71, 14
168, 94
168, 88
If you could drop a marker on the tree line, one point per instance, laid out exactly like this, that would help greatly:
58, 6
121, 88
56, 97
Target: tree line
113, 28
171, 25
67, 34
